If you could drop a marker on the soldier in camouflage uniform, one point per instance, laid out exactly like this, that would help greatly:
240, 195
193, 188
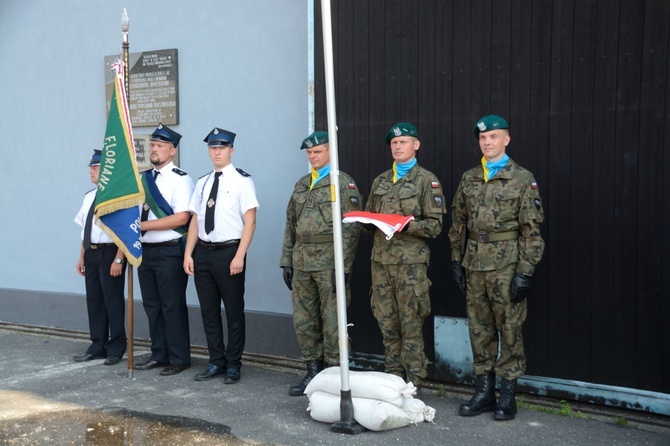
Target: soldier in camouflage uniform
400, 286
495, 246
308, 260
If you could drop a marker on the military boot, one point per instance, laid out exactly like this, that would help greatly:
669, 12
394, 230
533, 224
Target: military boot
313, 368
506, 408
484, 399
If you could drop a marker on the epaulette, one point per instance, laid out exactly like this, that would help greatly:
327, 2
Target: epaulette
241, 172
179, 172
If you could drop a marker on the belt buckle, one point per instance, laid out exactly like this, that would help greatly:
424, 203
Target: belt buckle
483, 237
305, 238
94, 246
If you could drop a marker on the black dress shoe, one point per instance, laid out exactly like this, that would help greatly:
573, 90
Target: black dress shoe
112, 360
173, 369
212, 372
148, 365
86, 357
232, 376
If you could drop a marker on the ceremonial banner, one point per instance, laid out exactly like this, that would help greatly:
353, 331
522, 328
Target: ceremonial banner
388, 223
120, 191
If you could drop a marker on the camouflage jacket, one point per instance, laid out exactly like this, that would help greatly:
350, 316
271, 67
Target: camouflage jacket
418, 193
510, 201
309, 220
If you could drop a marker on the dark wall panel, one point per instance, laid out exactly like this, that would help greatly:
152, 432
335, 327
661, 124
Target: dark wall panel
584, 87
649, 293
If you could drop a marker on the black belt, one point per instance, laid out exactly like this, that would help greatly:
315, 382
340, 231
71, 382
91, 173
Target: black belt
101, 245
156, 245
219, 245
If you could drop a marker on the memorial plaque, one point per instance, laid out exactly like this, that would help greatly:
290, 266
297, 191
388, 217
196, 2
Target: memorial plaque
141, 143
154, 87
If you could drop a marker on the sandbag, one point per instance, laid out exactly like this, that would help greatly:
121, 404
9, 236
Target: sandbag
374, 415
377, 415
418, 411
324, 407
373, 385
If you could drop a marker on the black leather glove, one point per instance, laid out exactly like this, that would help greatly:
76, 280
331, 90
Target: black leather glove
520, 287
288, 276
459, 275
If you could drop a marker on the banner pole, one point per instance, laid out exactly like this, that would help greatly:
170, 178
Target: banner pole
125, 28
347, 424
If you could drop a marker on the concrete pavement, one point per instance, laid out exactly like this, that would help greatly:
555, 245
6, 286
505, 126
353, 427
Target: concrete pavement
46, 398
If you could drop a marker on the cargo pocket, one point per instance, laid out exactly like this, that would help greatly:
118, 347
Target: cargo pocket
422, 298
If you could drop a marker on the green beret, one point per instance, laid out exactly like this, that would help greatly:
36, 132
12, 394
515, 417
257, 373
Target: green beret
488, 123
401, 129
315, 139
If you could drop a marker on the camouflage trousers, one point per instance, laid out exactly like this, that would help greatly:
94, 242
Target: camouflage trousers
315, 315
400, 302
495, 324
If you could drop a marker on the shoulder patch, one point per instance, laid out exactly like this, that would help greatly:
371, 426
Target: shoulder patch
179, 172
241, 172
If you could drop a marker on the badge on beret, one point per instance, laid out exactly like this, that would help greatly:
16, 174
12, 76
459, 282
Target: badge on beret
438, 200
396, 131
308, 143
482, 126
160, 126
210, 203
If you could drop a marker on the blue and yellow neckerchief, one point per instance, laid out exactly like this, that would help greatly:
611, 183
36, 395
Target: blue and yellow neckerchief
492, 168
400, 170
318, 175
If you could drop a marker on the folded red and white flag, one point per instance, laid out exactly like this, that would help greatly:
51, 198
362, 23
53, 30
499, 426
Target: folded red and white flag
389, 224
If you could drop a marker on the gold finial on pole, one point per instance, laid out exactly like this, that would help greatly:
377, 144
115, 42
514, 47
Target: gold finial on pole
125, 27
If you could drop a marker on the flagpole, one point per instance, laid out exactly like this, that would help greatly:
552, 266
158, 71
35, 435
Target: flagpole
347, 424
125, 28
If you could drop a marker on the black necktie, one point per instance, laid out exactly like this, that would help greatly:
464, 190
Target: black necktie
211, 204
145, 208
89, 225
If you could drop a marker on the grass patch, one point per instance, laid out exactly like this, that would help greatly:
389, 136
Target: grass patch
564, 410
620, 421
